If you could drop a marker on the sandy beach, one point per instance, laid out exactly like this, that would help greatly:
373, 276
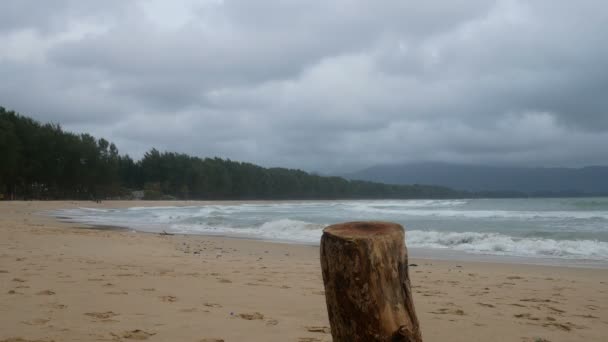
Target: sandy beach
62, 282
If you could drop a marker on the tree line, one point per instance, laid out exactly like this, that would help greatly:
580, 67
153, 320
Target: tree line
42, 161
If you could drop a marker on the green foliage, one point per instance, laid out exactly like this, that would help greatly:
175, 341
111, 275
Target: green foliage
152, 191
42, 161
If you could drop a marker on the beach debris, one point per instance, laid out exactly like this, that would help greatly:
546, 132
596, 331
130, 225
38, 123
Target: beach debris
251, 316
211, 340
164, 233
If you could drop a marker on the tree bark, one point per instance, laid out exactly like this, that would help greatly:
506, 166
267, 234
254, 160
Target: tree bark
367, 286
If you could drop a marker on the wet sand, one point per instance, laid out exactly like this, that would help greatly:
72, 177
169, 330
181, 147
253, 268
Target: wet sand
59, 282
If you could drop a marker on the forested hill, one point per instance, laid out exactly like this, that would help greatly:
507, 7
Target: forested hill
42, 161
591, 180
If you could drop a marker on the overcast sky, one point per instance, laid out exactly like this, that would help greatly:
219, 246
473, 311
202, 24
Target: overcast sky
326, 85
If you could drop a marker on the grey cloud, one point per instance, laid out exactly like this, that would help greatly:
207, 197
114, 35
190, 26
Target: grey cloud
324, 85
48, 17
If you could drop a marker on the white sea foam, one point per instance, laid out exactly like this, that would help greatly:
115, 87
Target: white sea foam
547, 228
499, 244
280, 230
95, 210
472, 242
518, 214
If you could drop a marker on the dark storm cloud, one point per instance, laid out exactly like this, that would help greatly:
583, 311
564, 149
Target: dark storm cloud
320, 85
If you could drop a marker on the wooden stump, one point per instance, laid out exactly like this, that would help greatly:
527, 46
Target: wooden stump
367, 286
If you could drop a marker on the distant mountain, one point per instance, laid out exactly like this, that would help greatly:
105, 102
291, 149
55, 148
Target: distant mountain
551, 181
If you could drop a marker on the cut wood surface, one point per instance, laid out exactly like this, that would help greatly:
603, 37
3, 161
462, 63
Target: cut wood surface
367, 286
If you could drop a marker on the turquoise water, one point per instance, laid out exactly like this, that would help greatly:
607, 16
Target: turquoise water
556, 228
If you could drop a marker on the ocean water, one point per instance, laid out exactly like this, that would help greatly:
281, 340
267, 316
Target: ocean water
558, 229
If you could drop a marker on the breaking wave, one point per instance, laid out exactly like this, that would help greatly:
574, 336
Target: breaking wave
499, 244
548, 228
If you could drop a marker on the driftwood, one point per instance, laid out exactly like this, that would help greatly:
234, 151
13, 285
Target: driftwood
367, 286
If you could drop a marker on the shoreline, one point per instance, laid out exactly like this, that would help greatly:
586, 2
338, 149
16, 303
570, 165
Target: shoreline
417, 252
63, 283
413, 252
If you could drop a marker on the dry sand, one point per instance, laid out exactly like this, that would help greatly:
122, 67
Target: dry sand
59, 282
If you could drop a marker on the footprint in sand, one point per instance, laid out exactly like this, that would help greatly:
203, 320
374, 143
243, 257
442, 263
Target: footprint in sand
95, 279
37, 321
555, 310
272, 322
308, 339
117, 293
587, 316
319, 329
514, 277
102, 315
135, 335
538, 300
168, 299
526, 316
562, 326
54, 306
446, 311
20, 339
46, 293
